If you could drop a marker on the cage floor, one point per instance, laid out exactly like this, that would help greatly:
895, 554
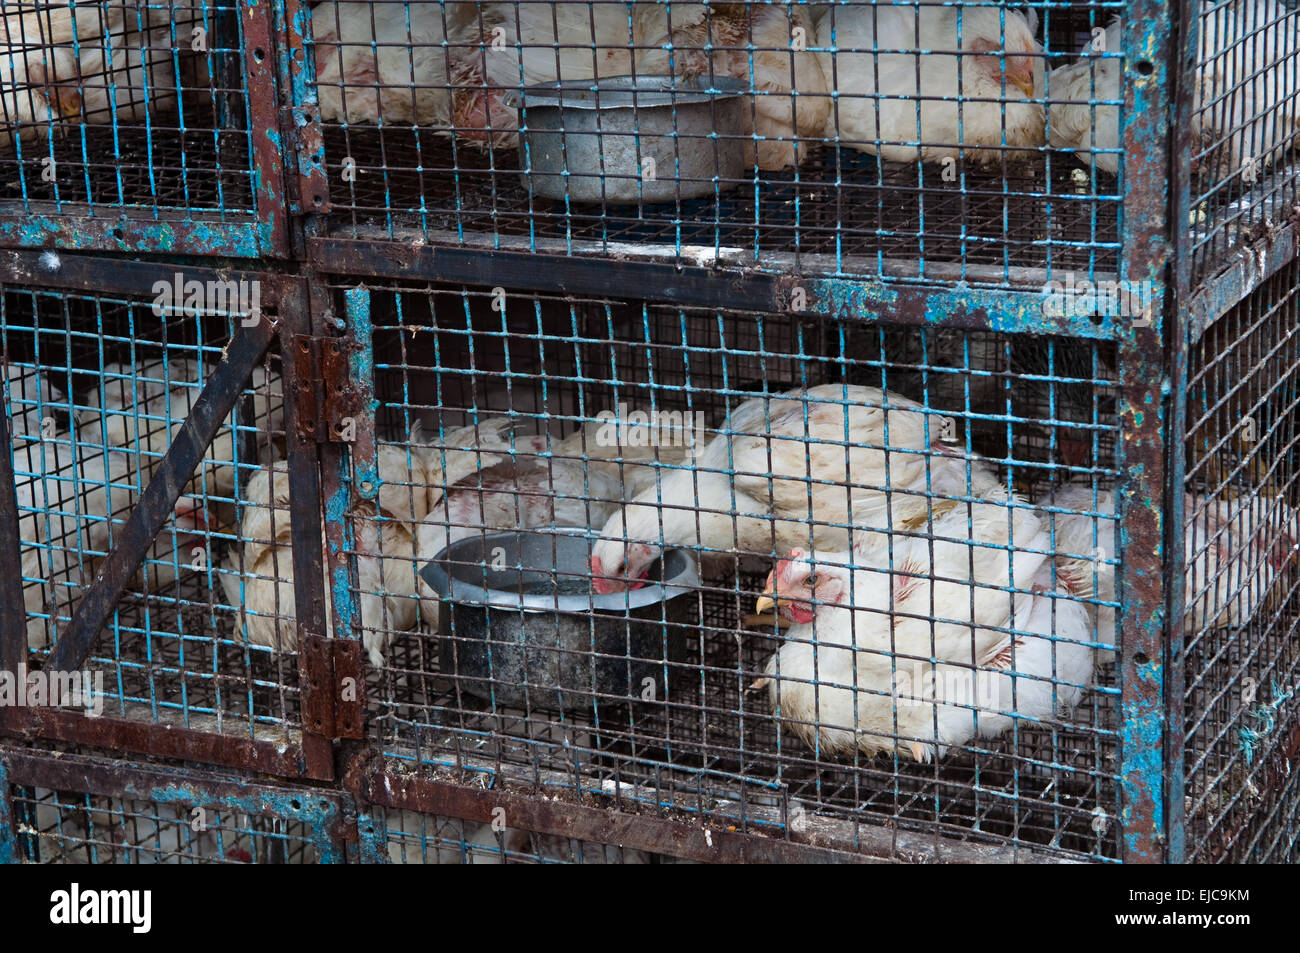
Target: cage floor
713, 750
840, 202
169, 164
174, 656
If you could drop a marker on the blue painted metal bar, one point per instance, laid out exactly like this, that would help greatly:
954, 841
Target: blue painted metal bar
1146, 442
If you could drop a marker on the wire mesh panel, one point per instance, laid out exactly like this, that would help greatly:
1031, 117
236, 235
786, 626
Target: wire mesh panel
560, 572
99, 812
1241, 661
129, 109
1245, 105
99, 387
415, 838
862, 138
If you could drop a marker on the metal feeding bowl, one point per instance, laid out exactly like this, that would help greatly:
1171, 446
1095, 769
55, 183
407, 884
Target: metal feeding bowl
519, 622
629, 139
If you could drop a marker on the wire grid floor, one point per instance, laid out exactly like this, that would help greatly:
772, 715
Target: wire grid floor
714, 751
415, 838
202, 166
839, 202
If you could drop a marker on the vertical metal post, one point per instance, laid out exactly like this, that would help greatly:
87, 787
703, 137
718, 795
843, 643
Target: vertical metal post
314, 664
265, 129
1144, 391
13, 615
1179, 343
8, 838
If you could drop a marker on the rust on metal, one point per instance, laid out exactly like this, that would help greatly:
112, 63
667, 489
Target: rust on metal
665, 835
1142, 489
264, 124
332, 416
13, 618
342, 404
305, 531
318, 687
163, 741
350, 689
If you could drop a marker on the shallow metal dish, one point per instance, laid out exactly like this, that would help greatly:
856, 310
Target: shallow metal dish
520, 623
630, 139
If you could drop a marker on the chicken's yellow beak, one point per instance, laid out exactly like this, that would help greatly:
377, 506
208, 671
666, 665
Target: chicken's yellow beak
1026, 85
769, 599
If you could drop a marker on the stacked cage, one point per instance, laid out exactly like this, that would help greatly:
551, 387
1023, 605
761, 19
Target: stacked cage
670, 431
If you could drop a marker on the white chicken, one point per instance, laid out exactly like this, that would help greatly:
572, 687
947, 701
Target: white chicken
1085, 101
32, 401
1247, 112
1235, 552
140, 409
387, 61
530, 43
475, 477
258, 576
69, 496
100, 63
758, 44
904, 93
806, 468
921, 659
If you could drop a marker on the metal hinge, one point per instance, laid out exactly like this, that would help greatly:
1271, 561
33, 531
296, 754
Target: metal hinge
331, 417
335, 705
309, 150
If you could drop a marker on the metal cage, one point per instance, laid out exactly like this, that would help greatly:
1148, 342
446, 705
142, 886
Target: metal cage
139, 125
71, 809
646, 451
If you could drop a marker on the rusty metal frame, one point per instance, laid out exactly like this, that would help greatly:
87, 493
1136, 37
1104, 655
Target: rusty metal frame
1145, 447
258, 232
560, 813
322, 812
287, 297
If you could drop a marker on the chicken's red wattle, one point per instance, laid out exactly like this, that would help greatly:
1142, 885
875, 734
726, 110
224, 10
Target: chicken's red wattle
799, 613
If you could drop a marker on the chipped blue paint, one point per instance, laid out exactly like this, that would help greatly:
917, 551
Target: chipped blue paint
1007, 311
317, 812
8, 837
227, 239
336, 511
365, 466
372, 839
1142, 735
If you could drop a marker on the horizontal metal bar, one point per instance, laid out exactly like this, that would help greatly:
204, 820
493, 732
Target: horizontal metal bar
96, 273
162, 741
702, 287
633, 831
731, 288
1250, 266
188, 234
816, 842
